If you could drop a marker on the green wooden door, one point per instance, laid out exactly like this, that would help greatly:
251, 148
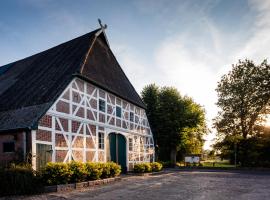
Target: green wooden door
43, 155
118, 150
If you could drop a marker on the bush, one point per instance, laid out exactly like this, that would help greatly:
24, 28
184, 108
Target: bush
62, 173
156, 167
147, 167
115, 169
139, 168
93, 171
56, 173
19, 180
106, 170
78, 171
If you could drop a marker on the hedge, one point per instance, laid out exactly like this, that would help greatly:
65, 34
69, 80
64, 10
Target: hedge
19, 179
147, 167
62, 173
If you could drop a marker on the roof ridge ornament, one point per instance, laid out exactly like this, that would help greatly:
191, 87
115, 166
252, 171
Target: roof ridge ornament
102, 28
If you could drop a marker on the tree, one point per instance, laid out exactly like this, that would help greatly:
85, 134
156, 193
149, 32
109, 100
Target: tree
243, 99
173, 119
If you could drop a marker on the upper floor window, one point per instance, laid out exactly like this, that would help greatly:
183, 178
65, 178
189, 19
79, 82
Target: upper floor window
131, 116
118, 111
8, 147
102, 105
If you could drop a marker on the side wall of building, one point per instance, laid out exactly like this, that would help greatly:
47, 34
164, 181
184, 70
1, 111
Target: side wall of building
78, 124
15, 147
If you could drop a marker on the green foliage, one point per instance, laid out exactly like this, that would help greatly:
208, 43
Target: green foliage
79, 172
139, 168
56, 173
93, 171
115, 169
243, 99
175, 120
147, 167
62, 173
253, 151
19, 180
156, 167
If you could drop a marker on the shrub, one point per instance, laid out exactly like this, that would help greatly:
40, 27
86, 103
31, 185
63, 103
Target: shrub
156, 167
115, 169
56, 173
148, 167
78, 171
19, 180
93, 171
139, 168
106, 170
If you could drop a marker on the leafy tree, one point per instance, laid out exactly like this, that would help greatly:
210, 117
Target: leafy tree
150, 99
174, 120
243, 99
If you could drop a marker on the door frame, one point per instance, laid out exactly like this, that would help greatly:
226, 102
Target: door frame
107, 132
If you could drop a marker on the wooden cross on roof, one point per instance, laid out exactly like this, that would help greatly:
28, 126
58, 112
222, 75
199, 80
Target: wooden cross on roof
102, 30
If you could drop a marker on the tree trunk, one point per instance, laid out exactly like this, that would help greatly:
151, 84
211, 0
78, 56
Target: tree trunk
173, 156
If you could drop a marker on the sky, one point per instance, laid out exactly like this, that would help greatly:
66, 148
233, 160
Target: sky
187, 44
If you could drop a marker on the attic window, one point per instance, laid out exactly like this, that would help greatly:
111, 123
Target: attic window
101, 105
8, 147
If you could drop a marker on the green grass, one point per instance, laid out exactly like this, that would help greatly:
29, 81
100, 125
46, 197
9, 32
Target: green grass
213, 163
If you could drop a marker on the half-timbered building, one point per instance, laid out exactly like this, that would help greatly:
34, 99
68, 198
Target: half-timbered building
72, 102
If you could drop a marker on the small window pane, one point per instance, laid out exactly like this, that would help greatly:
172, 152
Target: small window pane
101, 105
101, 140
131, 116
118, 111
130, 144
8, 147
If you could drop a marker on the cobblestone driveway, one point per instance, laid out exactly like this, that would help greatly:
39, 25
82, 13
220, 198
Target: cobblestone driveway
195, 185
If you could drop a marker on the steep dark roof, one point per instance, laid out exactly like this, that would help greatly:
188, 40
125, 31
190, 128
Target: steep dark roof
28, 87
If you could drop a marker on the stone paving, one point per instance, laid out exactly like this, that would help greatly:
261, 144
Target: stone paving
188, 185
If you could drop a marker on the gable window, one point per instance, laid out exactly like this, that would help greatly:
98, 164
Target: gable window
118, 112
101, 140
131, 116
8, 147
101, 105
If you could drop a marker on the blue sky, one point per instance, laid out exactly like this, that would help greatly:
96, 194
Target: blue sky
187, 44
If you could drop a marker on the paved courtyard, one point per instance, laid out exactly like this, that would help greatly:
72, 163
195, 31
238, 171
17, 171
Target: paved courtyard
195, 185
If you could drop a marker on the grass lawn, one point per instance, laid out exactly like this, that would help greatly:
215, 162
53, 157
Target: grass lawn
214, 163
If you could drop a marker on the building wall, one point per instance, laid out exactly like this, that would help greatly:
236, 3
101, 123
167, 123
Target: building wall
72, 125
20, 147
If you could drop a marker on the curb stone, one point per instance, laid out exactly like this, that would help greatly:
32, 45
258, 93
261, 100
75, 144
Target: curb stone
80, 185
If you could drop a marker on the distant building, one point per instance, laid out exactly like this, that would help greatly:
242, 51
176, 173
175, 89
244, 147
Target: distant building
72, 102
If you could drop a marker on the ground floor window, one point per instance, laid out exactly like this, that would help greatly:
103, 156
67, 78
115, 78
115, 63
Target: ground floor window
8, 147
101, 140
